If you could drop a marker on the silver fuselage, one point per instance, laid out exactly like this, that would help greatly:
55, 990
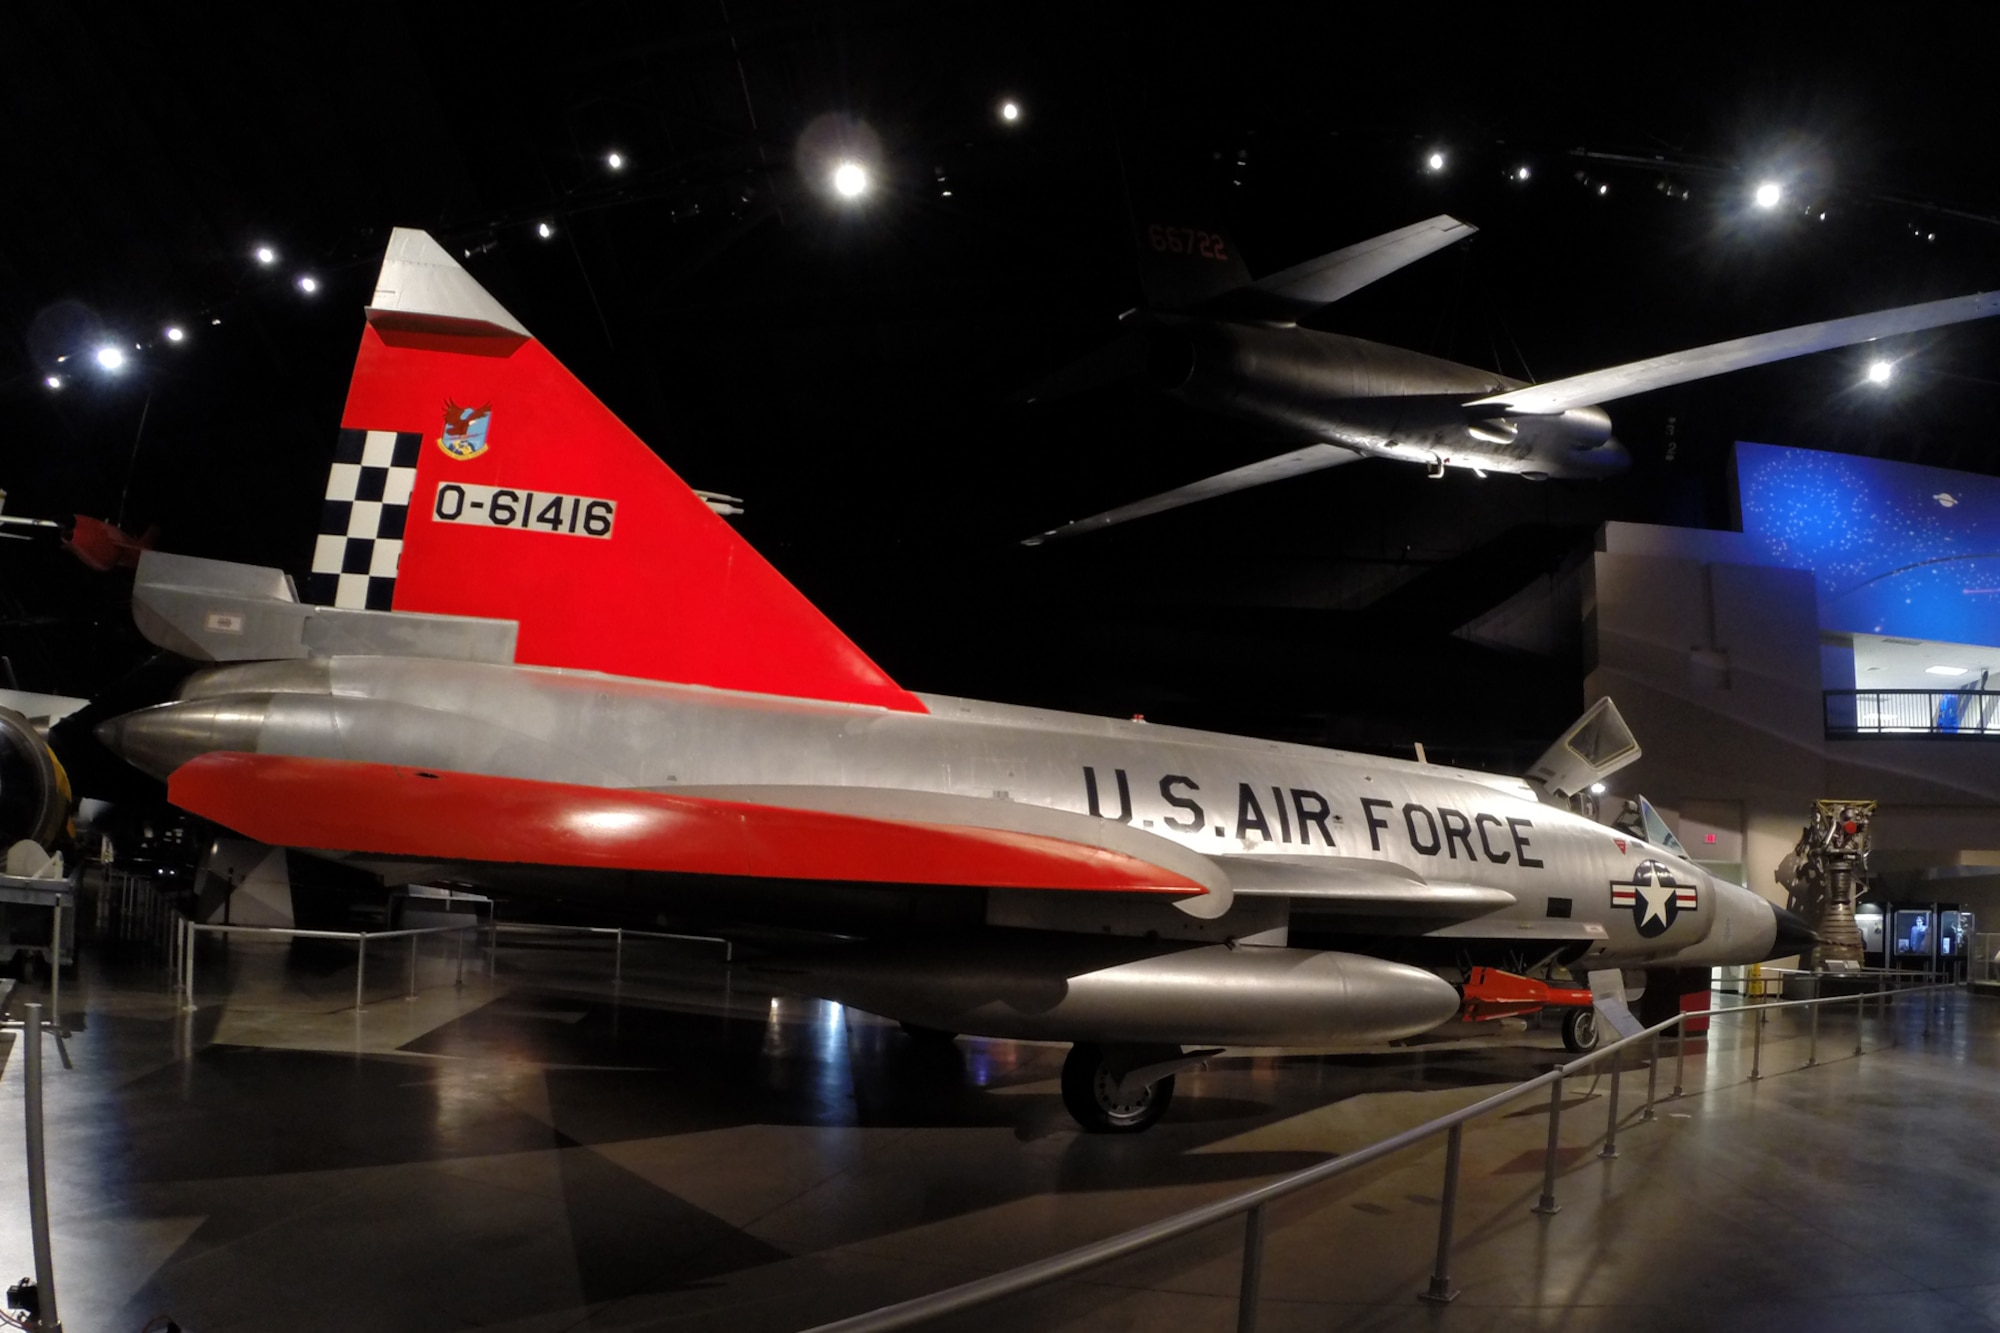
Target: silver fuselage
1245, 804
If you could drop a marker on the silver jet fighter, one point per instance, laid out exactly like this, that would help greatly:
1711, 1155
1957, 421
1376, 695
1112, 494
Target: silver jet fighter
1215, 339
541, 662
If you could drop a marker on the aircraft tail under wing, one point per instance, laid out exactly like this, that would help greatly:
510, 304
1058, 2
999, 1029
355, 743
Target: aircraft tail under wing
1304, 288
1312, 458
1696, 363
475, 476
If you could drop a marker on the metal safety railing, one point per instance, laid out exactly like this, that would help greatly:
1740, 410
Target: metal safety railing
1912, 712
1251, 1204
618, 934
182, 957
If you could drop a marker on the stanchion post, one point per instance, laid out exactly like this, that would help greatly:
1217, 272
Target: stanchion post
187, 960
1860, 1016
38, 1183
55, 966
412, 992
1927, 1012
360, 966
1812, 1041
460, 982
1610, 1148
1547, 1205
1652, 1076
1681, 1053
618, 957
1253, 1271
1757, 1047
1440, 1288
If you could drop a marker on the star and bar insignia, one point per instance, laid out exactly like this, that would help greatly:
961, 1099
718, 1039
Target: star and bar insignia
1656, 898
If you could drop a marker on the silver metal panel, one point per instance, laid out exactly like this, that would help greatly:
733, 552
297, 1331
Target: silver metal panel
336, 631
214, 611
419, 277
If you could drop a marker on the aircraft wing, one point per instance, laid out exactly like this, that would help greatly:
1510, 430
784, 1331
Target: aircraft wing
1353, 886
1614, 382
858, 835
1304, 288
1312, 458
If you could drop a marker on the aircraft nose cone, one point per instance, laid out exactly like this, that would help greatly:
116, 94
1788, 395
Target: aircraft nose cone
1794, 935
160, 739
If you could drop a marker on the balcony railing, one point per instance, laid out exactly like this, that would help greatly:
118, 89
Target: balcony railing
1913, 713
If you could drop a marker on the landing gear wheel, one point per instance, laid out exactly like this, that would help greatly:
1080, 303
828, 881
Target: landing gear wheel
1580, 1030
1090, 1094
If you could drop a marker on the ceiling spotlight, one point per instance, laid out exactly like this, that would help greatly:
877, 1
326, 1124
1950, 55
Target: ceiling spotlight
544, 230
308, 284
1435, 162
266, 255
1603, 189
850, 179
1879, 372
616, 161
111, 358
1010, 111
1768, 194
1520, 173
53, 381
175, 333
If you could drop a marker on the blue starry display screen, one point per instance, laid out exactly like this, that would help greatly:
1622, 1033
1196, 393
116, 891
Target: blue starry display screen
1898, 549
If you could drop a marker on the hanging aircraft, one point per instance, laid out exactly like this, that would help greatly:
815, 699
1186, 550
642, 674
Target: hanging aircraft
1222, 343
534, 660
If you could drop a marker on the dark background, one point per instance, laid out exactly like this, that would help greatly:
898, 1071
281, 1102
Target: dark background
850, 370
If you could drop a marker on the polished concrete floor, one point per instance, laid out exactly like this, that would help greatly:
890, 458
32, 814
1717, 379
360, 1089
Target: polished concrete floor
543, 1149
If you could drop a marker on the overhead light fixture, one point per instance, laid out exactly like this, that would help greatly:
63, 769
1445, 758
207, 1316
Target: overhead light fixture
1010, 111
1435, 162
175, 333
544, 230
266, 255
1520, 173
53, 381
850, 179
1768, 194
1603, 189
1946, 671
1879, 372
111, 358
308, 284
615, 160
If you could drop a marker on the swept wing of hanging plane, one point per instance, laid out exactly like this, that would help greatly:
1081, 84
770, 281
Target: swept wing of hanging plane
529, 657
1223, 343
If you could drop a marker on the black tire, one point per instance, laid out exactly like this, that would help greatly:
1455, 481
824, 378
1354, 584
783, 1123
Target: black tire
1580, 1030
1090, 1095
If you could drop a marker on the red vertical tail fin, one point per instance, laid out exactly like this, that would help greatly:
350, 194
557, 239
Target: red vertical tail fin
476, 476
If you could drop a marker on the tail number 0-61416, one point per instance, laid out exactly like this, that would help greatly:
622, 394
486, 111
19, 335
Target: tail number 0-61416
523, 511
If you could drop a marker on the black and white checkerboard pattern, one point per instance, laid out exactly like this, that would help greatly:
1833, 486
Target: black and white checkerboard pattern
361, 524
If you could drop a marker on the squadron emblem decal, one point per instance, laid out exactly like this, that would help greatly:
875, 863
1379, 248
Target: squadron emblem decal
1656, 898
464, 434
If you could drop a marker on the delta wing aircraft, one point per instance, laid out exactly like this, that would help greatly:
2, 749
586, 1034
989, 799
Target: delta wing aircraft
538, 661
1215, 339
